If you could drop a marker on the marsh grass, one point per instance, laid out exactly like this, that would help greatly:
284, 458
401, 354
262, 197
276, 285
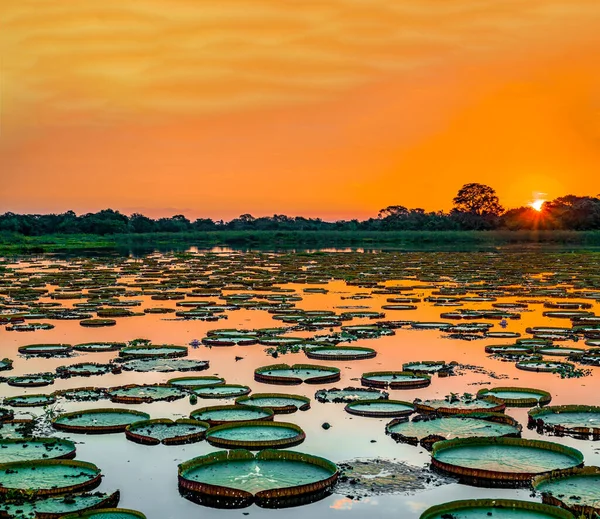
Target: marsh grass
12, 243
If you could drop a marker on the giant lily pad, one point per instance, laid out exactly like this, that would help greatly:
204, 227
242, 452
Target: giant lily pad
429, 429
582, 421
48, 477
502, 461
395, 379
90, 347
46, 350
222, 391
13, 450
380, 408
57, 507
165, 351
34, 380
517, 396
279, 403
84, 369
296, 374
138, 394
340, 353
194, 382
98, 421
168, 432
272, 478
349, 394
221, 414
578, 490
29, 400
164, 365
255, 435
459, 405
496, 508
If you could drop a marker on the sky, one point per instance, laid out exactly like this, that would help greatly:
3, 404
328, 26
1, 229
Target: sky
327, 108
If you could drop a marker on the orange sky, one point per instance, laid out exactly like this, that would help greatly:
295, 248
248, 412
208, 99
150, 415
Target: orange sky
334, 108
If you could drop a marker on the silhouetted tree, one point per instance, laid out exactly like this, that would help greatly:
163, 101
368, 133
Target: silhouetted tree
478, 199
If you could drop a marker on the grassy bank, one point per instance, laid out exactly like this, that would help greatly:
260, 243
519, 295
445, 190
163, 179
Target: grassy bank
18, 244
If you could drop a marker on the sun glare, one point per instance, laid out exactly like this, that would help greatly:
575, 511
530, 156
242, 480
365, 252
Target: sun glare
537, 204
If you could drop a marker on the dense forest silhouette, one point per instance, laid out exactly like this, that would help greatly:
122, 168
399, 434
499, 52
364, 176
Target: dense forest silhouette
476, 207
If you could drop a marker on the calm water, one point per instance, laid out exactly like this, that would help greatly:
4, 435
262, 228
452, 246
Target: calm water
147, 476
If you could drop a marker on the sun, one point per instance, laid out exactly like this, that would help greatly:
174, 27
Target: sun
537, 204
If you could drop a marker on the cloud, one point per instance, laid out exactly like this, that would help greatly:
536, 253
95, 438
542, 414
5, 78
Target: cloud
105, 60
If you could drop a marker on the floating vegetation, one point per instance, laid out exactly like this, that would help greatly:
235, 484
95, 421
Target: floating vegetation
517, 396
34, 380
459, 404
14, 450
48, 477
580, 421
29, 400
373, 477
279, 403
230, 340
29, 327
349, 394
82, 394
340, 353
222, 414
89, 347
296, 374
167, 432
255, 435
6, 365
395, 379
98, 421
380, 408
57, 507
502, 461
271, 479
84, 369
425, 366
144, 394
544, 366
97, 323
195, 382
427, 430
46, 350
503, 508
16, 429
153, 351
164, 365
577, 490
221, 391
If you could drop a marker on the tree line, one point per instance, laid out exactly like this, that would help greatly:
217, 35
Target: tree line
475, 207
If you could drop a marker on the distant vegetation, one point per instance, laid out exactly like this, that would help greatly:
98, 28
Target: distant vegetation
476, 207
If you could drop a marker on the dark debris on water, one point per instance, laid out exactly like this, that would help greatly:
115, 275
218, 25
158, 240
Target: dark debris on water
370, 477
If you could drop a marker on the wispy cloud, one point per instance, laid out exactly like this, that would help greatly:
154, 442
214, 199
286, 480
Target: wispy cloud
104, 60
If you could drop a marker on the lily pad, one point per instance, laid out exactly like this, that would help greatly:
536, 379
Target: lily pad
272, 478
502, 461
255, 435
167, 432
221, 414
279, 403
98, 421
47, 477
15, 450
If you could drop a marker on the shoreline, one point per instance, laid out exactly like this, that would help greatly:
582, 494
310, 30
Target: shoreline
288, 240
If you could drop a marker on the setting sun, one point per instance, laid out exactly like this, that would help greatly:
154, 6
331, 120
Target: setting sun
537, 204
